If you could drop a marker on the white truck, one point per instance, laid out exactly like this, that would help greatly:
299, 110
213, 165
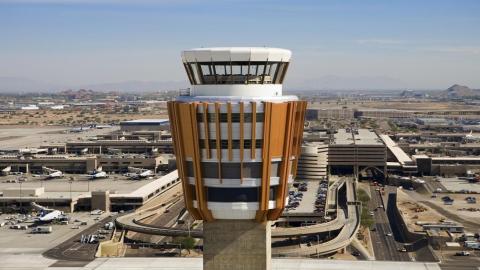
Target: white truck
42, 229
109, 225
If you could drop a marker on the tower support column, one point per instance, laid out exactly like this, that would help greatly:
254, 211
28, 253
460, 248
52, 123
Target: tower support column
236, 245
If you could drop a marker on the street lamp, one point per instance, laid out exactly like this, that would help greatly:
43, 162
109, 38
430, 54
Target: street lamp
20, 182
70, 182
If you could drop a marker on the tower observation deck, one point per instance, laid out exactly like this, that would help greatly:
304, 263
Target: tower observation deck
237, 142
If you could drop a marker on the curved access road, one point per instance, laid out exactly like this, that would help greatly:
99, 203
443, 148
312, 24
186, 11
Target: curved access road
347, 221
343, 239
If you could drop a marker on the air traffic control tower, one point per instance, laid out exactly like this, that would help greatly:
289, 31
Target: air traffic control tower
237, 142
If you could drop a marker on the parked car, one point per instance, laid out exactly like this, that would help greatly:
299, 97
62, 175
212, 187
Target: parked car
462, 253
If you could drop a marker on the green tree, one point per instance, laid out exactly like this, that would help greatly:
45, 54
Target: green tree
365, 219
187, 243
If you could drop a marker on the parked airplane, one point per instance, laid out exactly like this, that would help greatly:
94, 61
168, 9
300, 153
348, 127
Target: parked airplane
47, 214
32, 151
103, 126
114, 151
98, 174
7, 170
52, 173
471, 138
79, 129
138, 173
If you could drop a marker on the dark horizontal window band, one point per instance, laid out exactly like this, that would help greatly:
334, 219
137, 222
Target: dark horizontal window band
192, 192
247, 144
232, 170
236, 72
251, 194
247, 117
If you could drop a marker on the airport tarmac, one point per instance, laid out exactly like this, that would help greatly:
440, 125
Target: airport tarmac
16, 137
14, 241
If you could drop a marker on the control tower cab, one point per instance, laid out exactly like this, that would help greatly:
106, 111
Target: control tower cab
236, 71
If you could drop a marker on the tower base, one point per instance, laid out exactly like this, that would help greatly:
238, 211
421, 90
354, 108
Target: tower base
237, 244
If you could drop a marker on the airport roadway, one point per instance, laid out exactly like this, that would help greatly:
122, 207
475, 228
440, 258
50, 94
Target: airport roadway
164, 217
453, 262
133, 222
332, 225
343, 239
385, 247
72, 250
348, 222
160, 223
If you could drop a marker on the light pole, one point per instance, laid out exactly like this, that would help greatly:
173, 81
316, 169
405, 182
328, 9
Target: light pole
20, 182
70, 182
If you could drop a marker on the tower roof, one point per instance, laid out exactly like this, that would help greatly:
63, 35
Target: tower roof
252, 54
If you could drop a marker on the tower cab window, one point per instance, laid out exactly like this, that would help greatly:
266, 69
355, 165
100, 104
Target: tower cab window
236, 72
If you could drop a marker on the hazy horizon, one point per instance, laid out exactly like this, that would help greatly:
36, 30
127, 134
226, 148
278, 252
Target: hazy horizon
56, 45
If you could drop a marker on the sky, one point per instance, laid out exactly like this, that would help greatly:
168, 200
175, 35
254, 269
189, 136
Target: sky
336, 44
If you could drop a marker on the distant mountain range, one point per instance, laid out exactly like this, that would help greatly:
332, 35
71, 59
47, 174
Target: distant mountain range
333, 82
25, 85
137, 86
459, 91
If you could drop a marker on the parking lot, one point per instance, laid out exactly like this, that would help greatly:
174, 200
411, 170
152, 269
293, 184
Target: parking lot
456, 211
308, 197
460, 206
458, 185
